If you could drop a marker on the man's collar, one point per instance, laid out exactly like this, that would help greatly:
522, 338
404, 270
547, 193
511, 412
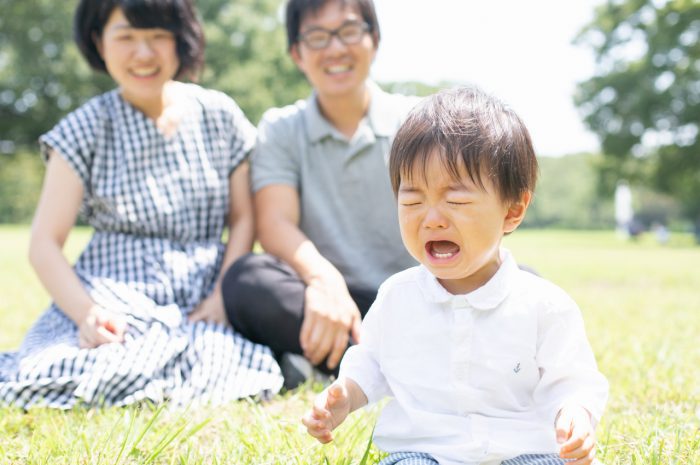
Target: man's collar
319, 127
487, 297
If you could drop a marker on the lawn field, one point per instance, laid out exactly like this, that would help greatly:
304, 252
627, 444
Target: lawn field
641, 305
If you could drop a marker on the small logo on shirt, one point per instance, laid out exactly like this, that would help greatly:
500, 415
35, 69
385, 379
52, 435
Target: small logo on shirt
517, 368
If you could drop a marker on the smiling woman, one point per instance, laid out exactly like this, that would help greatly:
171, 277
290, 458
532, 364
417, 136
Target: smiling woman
141, 47
157, 167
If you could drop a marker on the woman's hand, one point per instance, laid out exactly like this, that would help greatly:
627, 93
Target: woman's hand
210, 310
101, 326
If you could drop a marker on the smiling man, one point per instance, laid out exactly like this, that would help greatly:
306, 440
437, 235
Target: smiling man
325, 211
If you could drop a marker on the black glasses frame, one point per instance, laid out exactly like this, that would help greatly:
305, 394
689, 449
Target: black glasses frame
333, 32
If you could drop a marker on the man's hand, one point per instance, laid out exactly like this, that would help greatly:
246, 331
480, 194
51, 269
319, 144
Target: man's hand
576, 435
330, 317
330, 408
101, 326
210, 309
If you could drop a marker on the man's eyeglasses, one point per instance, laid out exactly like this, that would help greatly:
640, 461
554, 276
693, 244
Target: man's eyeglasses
319, 38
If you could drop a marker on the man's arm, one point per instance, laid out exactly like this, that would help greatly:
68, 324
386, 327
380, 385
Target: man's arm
330, 314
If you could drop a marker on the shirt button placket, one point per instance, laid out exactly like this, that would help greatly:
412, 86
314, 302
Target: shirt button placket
461, 340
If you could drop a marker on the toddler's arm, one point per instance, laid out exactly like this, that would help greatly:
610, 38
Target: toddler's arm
332, 406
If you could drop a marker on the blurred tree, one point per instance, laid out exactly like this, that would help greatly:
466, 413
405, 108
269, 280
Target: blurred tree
644, 100
565, 196
247, 54
43, 76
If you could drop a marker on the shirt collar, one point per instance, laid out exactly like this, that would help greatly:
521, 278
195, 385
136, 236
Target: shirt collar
318, 127
487, 297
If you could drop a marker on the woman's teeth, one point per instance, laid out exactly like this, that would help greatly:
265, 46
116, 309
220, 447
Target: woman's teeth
144, 72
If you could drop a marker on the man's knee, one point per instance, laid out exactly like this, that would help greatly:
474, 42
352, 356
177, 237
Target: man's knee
259, 290
238, 287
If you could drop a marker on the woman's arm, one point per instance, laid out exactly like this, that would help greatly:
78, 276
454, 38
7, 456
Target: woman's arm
59, 202
241, 233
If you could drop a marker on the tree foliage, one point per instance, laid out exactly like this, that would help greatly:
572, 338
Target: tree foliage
644, 100
43, 76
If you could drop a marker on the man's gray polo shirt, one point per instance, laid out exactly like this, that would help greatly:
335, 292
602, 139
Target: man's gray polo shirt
348, 209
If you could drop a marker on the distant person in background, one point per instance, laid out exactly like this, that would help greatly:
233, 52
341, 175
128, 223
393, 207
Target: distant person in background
324, 207
662, 233
158, 168
624, 213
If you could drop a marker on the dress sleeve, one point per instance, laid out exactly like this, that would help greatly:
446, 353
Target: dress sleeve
361, 361
275, 159
569, 373
243, 135
74, 138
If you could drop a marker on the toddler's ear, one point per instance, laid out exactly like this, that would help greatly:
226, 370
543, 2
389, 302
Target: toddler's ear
516, 212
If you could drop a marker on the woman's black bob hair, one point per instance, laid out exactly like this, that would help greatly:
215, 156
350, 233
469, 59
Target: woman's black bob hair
176, 16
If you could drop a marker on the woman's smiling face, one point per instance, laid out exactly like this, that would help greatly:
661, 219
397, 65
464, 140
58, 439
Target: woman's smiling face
141, 61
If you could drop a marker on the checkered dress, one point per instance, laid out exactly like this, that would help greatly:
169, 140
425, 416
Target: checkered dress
158, 205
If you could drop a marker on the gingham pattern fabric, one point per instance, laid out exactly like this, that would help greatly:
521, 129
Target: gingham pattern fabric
158, 206
419, 458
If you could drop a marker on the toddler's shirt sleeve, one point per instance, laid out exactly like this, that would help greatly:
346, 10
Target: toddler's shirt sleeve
569, 373
361, 361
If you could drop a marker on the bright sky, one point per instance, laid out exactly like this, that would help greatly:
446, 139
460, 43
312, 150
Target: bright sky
519, 50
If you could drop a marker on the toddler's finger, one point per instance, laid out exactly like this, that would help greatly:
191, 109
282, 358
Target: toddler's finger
320, 413
312, 422
583, 450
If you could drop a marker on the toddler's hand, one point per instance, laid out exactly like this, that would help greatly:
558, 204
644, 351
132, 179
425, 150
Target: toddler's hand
576, 435
330, 408
101, 326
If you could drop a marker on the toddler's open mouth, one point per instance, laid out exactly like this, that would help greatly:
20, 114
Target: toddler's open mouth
442, 249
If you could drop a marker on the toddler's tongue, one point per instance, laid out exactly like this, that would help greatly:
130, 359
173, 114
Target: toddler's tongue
443, 247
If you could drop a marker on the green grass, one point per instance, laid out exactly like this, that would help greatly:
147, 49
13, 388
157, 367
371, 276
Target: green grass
641, 303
